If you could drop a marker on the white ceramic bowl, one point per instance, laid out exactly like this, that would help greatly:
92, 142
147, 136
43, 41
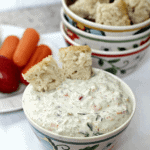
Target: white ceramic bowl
120, 63
104, 43
107, 141
104, 30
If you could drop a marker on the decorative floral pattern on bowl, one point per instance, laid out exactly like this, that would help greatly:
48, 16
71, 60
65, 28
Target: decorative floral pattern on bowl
118, 66
83, 28
106, 45
72, 35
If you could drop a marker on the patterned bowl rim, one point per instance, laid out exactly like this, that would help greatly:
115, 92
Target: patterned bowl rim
106, 136
106, 38
97, 26
112, 53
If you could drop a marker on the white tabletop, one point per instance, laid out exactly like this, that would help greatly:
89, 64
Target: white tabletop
16, 134
8, 5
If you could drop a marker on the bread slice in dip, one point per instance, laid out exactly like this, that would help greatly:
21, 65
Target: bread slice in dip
76, 62
45, 76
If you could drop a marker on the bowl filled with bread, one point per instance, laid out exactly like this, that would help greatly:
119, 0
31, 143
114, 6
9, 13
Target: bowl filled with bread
76, 106
120, 63
104, 43
109, 17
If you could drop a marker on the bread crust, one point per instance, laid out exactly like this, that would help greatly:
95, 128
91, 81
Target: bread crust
84, 49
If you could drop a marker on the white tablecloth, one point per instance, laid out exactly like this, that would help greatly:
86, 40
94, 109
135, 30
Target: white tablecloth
16, 134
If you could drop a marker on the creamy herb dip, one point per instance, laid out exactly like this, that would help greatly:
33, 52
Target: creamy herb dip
80, 108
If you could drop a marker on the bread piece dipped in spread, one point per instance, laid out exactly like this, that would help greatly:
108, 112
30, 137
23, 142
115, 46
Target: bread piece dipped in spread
45, 76
138, 10
76, 62
114, 14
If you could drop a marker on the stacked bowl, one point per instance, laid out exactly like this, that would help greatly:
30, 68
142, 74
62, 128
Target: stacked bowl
116, 49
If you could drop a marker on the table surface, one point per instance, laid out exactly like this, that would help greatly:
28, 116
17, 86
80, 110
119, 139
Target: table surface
15, 132
45, 18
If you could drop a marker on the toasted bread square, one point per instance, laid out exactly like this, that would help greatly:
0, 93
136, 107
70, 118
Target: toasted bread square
138, 10
84, 8
76, 62
45, 76
114, 14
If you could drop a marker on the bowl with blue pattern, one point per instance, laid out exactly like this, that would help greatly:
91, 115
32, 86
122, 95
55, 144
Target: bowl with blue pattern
107, 141
103, 30
120, 63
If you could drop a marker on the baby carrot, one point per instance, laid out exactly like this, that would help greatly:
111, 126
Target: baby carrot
9, 46
41, 52
26, 47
